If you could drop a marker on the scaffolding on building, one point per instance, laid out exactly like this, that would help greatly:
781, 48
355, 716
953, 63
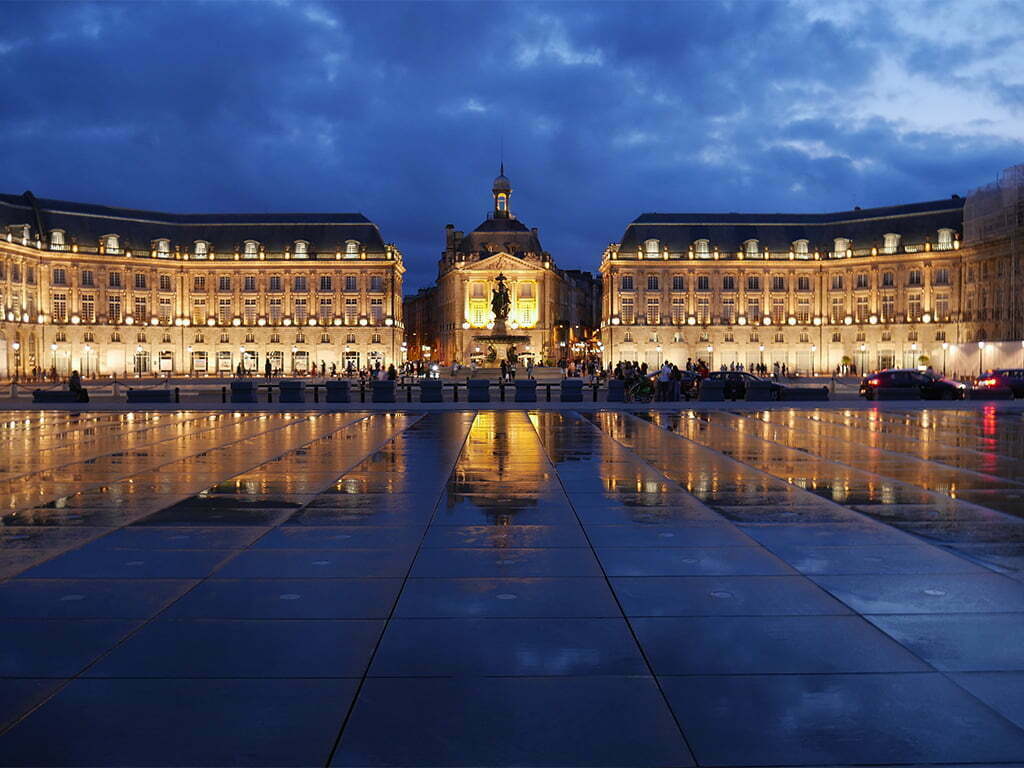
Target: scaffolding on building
997, 209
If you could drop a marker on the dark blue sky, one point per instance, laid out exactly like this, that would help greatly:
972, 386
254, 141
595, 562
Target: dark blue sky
607, 110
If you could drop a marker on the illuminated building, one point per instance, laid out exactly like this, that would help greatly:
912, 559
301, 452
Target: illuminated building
111, 291
872, 287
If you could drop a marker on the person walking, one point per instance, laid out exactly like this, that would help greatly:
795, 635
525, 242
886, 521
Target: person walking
529, 368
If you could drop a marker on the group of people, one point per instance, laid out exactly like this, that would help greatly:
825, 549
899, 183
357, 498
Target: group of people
378, 371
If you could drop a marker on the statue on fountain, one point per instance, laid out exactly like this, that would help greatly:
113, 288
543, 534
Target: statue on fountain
500, 300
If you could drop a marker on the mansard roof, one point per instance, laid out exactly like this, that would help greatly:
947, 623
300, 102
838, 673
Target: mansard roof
915, 222
87, 223
507, 234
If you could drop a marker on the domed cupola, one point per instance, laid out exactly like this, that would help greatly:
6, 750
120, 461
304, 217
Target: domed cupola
502, 192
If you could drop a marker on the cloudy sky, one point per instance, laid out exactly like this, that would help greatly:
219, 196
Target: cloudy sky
606, 110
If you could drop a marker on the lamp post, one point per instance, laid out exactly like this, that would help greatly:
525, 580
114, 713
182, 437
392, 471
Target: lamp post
16, 346
53, 357
188, 350
981, 357
711, 357
294, 350
87, 353
814, 349
945, 347
913, 355
760, 350
863, 357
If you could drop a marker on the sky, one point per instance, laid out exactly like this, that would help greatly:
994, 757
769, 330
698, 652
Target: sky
601, 110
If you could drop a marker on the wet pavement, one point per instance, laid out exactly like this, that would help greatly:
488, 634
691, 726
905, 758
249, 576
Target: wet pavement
813, 587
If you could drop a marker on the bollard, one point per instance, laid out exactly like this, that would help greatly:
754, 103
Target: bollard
177, 395
548, 387
455, 392
316, 394
270, 394
408, 393
594, 385
362, 391
223, 394
501, 390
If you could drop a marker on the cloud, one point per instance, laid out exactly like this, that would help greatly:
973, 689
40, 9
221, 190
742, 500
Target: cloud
605, 110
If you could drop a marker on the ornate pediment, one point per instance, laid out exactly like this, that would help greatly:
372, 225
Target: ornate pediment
503, 262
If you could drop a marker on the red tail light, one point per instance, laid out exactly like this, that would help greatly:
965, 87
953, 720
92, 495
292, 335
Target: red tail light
873, 382
987, 382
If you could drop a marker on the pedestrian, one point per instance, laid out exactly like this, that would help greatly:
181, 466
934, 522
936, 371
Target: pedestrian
268, 368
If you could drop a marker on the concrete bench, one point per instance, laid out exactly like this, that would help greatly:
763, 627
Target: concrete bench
804, 394
526, 391
431, 391
990, 393
291, 391
478, 390
150, 396
59, 396
572, 390
383, 391
897, 393
243, 392
711, 391
337, 391
759, 393
616, 391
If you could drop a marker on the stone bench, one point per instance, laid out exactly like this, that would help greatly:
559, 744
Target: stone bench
572, 390
804, 394
526, 391
243, 392
616, 391
431, 391
149, 396
291, 391
383, 391
478, 390
59, 396
337, 391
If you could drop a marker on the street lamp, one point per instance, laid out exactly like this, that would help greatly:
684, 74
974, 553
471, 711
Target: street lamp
945, 347
87, 349
53, 351
711, 357
760, 349
981, 357
188, 349
863, 357
814, 349
17, 359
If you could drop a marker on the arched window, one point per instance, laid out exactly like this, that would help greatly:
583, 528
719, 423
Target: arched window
840, 246
57, 240
945, 239
202, 249
301, 248
163, 248
890, 243
702, 248
750, 247
800, 247
110, 244
651, 248
351, 248
252, 249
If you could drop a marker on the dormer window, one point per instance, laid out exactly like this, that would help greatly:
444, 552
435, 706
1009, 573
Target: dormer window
301, 249
251, 249
890, 243
702, 248
57, 242
202, 249
111, 244
163, 248
351, 248
651, 248
945, 241
800, 247
750, 247
840, 246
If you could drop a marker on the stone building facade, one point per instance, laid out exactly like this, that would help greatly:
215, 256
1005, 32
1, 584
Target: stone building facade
895, 286
111, 291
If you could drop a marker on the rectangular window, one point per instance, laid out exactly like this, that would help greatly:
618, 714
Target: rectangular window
862, 311
275, 284
888, 307
653, 312
325, 283
88, 308
140, 281
199, 311
941, 306
276, 312
59, 277
863, 281
678, 283
526, 290
113, 309
838, 309
914, 277
249, 311
165, 283
837, 282
224, 283
199, 283
351, 311
729, 310
778, 311
626, 284
940, 276
627, 310
728, 283
914, 306
299, 283
678, 310
803, 283
803, 310
300, 310
87, 278
166, 310
754, 310
249, 283
703, 283
351, 283
753, 283
224, 314
141, 309
59, 307
376, 283
114, 279
377, 311
326, 309
703, 310
888, 280
778, 283
652, 282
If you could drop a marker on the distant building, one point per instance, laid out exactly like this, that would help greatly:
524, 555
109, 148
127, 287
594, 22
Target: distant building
551, 310
874, 287
111, 291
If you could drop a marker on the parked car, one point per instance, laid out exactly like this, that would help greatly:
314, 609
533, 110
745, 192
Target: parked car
1010, 378
931, 386
736, 383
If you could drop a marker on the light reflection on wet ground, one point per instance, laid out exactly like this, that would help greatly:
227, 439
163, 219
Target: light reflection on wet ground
813, 587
